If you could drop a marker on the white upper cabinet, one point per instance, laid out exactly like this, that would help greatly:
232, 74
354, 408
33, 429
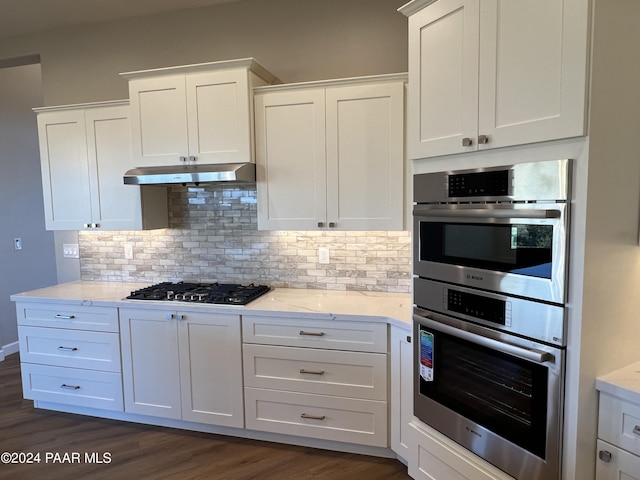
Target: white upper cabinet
198, 113
494, 73
84, 152
330, 155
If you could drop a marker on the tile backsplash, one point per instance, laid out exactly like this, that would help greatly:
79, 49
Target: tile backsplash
214, 236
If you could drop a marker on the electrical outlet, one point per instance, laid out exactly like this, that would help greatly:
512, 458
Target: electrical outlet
70, 250
323, 255
128, 251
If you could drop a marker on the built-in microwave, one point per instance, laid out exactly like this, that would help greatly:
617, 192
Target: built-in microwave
502, 229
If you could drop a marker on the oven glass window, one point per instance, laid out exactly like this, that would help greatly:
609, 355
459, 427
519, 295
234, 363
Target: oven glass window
511, 248
503, 393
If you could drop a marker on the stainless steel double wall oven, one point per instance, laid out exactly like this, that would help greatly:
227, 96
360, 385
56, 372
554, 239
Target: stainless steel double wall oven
490, 269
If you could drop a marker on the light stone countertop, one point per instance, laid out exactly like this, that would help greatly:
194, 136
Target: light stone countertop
392, 308
623, 383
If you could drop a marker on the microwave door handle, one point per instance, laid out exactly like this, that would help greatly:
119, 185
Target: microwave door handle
426, 211
530, 354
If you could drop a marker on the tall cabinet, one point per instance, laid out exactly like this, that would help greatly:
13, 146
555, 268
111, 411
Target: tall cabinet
343, 143
494, 73
84, 150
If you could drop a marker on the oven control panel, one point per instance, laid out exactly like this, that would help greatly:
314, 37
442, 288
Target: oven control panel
483, 308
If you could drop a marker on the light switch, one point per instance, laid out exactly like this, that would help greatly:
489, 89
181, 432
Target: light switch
323, 255
70, 250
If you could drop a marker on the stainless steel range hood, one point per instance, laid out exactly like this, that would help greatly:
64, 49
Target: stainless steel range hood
192, 174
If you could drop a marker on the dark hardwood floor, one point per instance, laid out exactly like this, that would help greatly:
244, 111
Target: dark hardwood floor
141, 452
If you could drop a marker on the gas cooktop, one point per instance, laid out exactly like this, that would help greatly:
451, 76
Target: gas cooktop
212, 293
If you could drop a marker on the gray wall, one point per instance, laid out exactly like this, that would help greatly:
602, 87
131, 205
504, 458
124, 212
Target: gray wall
21, 195
296, 40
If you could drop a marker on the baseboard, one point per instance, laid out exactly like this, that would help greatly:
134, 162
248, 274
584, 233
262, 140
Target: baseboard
9, 349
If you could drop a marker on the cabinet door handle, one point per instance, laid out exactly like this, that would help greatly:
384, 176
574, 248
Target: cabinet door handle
66, 317
313, 417
192, 158
605, 456
636, 429
312, 372
70, 387
483, 139
467, 142
181, 316
183, 159
320, 224
170, 316
71, 349
312, 334
332, 225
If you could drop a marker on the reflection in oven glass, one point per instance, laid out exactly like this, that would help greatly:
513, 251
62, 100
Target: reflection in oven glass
501, 392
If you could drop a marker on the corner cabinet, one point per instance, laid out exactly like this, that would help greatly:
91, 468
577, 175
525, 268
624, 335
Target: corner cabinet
196, 113
84, 151
330, 155
182, 365
495, 73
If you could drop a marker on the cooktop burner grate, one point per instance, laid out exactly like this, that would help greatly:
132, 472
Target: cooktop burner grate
212, 293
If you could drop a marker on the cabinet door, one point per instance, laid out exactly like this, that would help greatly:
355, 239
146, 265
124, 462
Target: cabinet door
365, 156
115, 206
290, 160
158, 120
401, 390
616, 464
150, 359
532, 70
211, 369
219, 120
65, 173
442, 94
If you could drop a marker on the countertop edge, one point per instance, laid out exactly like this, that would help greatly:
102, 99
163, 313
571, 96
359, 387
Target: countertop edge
112, 294
623, 383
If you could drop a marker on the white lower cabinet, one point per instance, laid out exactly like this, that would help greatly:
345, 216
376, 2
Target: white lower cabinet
618, 439
70, 354
401, 391
182, 365
434, 457
298, 381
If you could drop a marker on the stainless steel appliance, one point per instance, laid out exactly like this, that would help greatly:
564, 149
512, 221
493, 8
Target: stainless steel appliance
489, 321
502, 229
211, 293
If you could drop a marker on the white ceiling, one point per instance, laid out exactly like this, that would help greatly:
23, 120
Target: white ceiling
29, 16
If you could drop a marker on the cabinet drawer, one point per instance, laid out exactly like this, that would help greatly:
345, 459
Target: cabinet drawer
331, 334
77, 317
622, 465
309, 370
619, 423
72, 386
70, 348
317, 416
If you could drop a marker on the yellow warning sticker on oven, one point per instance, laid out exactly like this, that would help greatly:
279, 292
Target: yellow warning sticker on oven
426, 356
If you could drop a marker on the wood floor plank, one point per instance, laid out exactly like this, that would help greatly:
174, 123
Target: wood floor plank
145, 452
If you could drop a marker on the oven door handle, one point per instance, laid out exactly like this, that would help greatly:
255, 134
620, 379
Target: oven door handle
530, 354
430, 211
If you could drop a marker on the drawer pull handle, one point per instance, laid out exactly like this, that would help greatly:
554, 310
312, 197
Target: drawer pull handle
71, 349
312, 417
636, 429
66, 317
604, 456
70, 387
312, 372
312, 334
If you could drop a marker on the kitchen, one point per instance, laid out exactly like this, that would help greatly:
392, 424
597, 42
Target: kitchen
602, 258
